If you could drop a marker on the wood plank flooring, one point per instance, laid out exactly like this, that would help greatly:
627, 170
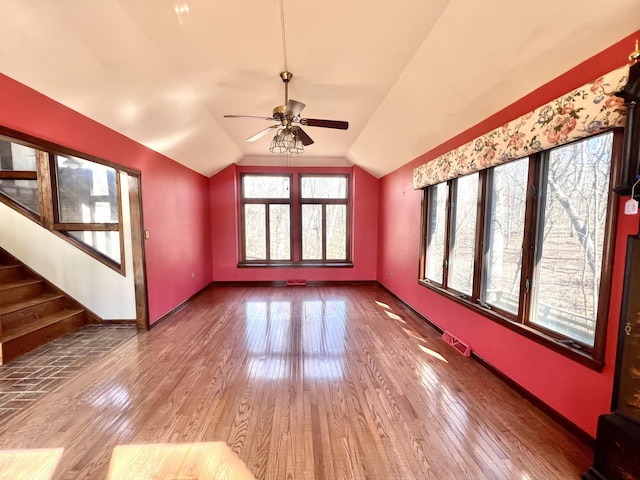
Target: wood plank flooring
317, 383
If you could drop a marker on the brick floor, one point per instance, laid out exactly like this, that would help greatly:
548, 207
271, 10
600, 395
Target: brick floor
30, 376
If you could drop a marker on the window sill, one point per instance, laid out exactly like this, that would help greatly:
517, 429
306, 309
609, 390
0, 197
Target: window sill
295, 264
575, 352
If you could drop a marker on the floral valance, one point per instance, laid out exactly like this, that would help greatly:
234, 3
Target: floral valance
586, 111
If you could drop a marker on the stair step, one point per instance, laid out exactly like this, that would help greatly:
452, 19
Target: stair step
19, 342
6, 259
10, 273
20, 290
62, 317
36, 307
33, 311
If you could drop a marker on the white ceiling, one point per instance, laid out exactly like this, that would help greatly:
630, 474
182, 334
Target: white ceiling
406, 74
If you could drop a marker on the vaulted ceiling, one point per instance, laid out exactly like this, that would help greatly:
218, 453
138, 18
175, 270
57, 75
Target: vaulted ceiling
407, 75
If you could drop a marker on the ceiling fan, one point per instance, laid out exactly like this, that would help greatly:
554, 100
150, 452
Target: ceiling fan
289, 134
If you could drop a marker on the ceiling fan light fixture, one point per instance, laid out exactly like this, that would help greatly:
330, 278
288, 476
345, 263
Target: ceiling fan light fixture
286, 140
298, 146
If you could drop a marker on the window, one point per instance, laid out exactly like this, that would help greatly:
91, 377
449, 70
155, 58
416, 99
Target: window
504, 234
463, 233
453, 204
294, 219
571, 234
324, 201
266, 213
75, 197
436, 232
537, 231
18, 175
87, 204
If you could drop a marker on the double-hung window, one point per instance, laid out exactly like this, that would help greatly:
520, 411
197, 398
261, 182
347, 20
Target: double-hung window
295, 219
528, 243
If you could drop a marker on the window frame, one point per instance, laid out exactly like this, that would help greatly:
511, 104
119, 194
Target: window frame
65, 228
483, 236
452, 204
592, 357
23, 175
324, 202
47, 192
296, 202
427, 199
266, 202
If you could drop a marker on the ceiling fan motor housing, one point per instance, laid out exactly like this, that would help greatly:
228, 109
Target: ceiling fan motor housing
279, 112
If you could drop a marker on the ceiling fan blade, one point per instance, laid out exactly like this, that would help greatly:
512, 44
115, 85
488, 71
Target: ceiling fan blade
293, 108
304, 138
249, 116
315, 122
261, 133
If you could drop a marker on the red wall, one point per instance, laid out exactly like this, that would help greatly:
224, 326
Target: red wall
193, 225
175, 199
225, 241
578, 393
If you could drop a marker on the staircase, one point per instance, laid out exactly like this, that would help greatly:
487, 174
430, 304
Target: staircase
32, 311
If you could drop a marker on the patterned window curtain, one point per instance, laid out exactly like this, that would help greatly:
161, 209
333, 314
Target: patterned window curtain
585, 111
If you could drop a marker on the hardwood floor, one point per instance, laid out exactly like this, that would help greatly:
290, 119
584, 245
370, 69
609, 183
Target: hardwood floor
309, 382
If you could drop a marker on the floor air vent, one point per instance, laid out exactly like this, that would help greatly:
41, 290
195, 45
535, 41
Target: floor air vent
456, 343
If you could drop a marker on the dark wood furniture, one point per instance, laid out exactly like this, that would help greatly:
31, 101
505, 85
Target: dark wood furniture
631, 96
617, 451
618, 437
